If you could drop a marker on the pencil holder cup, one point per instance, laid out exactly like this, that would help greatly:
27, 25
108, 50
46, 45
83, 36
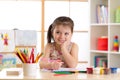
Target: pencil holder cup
30, 69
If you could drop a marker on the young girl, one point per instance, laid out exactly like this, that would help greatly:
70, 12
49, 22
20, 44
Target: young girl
60, 51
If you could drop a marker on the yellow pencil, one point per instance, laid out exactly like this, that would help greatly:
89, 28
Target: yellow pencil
38, 57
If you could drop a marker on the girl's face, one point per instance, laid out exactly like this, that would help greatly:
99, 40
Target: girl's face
61, 34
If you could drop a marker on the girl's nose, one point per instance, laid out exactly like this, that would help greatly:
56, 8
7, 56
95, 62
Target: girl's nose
62, 36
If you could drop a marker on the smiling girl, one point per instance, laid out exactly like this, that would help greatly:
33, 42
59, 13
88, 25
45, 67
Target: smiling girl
60, 51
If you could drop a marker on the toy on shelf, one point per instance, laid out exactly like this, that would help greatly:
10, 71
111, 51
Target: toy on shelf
116, 44
102, 43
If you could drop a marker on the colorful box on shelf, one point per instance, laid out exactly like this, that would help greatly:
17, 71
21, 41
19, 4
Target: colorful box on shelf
7, 61
102, 43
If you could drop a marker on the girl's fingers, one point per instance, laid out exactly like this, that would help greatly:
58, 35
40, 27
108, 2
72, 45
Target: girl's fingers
56, 65
61, 64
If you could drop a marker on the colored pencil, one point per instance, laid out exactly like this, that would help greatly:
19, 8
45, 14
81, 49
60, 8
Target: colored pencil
38, 57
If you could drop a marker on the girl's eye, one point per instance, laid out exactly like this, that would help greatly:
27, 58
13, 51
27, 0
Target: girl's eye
66, 33
57, 32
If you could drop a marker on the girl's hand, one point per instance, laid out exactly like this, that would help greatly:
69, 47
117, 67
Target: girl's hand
56, 64
64, 46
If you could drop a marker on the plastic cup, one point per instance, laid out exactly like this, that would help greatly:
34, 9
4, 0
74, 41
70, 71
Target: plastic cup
113, 70
105, 71
89, 70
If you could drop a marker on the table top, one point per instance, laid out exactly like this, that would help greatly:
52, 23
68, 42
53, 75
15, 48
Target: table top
53, 76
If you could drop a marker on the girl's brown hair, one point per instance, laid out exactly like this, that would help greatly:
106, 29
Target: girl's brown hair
62, 20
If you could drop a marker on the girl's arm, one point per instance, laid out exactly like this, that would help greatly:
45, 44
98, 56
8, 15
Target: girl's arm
45, 58
46, 63
71, 59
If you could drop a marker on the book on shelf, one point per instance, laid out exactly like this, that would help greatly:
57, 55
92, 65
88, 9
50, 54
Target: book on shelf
102, 14
100, 61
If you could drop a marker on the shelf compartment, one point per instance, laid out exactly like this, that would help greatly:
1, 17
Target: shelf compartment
95, 33
114, 30
92, 57
114, 60
113, 6
93, 6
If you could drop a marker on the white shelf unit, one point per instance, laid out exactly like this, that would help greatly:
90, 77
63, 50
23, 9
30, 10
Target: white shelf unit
109, 29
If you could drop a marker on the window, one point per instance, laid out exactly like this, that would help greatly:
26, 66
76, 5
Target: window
20, 14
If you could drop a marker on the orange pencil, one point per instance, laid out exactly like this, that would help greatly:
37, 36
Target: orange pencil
38, 57
24, 56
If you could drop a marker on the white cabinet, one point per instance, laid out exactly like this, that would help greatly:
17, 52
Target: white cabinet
109, 29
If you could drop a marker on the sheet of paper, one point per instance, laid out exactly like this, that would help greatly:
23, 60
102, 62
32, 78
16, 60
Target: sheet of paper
7, 41
71, 69
65, 69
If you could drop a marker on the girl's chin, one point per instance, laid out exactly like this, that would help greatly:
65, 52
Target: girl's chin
60, 43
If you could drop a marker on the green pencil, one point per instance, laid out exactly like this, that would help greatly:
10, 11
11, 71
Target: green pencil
62, 72
69, 72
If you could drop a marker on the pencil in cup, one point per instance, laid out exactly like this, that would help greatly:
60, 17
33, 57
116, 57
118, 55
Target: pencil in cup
38, 57
20, 55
